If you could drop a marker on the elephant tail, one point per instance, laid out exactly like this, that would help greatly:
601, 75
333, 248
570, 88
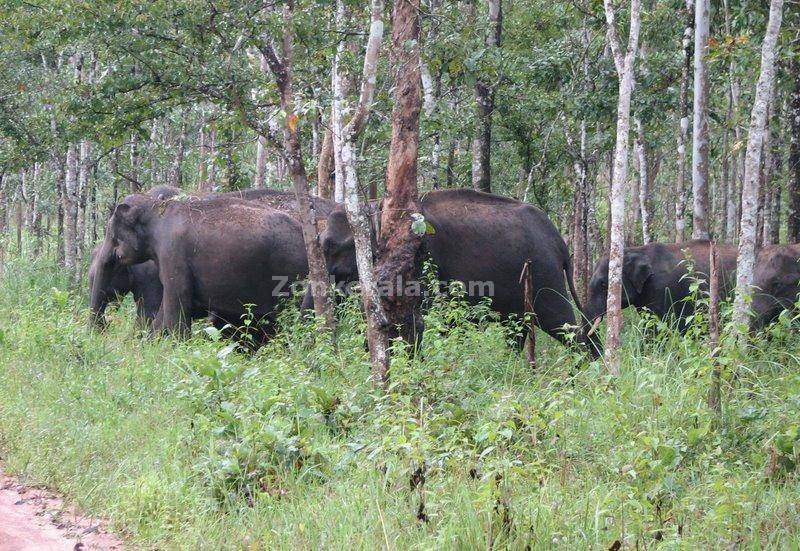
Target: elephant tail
571, 282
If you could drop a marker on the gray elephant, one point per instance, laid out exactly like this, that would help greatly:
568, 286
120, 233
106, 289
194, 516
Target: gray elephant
483, 241
776, 282
110, 281
215, 255
655, 277
113, 281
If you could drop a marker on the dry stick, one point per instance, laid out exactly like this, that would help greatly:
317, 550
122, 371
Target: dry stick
714, 401
526, 278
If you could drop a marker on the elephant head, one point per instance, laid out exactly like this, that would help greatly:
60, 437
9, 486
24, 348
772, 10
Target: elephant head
126, 229
636, 271
338, 245
108, 281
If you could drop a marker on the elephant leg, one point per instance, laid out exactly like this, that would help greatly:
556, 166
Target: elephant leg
175, 312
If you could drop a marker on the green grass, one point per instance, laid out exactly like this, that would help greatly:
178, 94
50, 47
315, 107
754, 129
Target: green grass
191, 445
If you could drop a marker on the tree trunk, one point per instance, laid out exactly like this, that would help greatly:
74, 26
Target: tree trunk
775, 159
33, 222
793, 220
354, 206
84, 173
755, 139
211, 181
633, 211
398, 260
484, 107
282, 70
135, 162
625, 72
683, 125
152, 161
714, 394
176, 174
736, 175
61, 167
644, 183
3, 219
70, 202
700, 125
202, 152
325, 165
432, 88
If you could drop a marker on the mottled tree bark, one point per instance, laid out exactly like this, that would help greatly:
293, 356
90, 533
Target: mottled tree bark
644, 183
176, 171
325, 165
484, 107
398, 260
793, 220
354, 205
282, 70
683, 125
625, 71
700, 147
755, 139
3, 219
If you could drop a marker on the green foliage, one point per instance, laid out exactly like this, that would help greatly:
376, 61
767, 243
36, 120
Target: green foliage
206, 444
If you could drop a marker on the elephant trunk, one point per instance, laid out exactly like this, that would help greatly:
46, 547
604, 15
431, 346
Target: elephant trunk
590, 329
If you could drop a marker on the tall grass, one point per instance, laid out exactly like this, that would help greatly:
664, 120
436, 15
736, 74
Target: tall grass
197, 444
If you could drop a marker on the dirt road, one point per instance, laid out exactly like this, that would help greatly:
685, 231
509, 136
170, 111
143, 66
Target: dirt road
34, 519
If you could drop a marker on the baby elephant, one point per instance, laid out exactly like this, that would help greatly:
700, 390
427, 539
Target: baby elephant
654, 277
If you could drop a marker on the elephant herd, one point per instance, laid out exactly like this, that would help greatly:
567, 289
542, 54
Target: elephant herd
222, 256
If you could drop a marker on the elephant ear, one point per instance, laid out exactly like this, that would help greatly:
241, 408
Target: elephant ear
640, 271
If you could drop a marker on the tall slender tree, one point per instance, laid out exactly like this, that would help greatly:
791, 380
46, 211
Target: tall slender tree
484, 107
282, 70
624, 63
683, 124
793, 219
750, 186
700, 147
355, 206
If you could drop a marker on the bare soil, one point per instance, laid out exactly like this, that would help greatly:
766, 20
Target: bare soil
36, 519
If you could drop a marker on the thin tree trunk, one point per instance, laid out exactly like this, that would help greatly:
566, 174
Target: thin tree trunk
700, 146
325, 165
776, 187
484, 107
261, 163
683, 125
70, 204
282, 70
354, 206
714, 394
431, 87
644, 182
755, 139
202, 171
135, 163
625, 72
33, 220
3, 219
18, 205
400, 246
61, 176
211, 182
793, 219
176, 174
152, 161
84, 173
